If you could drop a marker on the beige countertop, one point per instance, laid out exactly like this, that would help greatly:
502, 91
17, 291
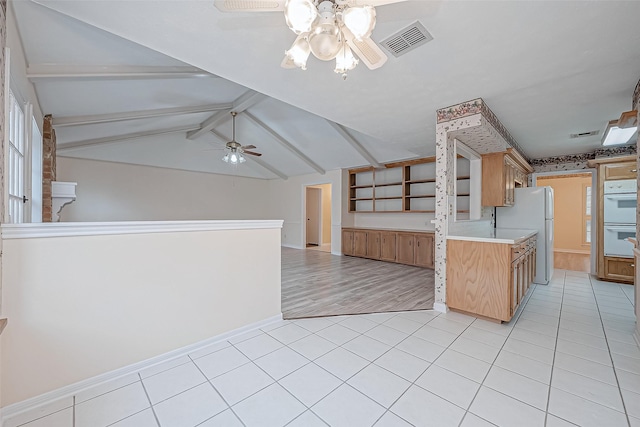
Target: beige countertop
495, 235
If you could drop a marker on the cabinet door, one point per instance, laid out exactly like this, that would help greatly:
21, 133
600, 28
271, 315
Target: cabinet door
514, 286
625, 170
388, 246
424, 250
347, 242
406, 250
509, 182
373, 244
360, 243
619, 269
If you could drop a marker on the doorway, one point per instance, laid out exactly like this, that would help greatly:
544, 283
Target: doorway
318, 217
572, 239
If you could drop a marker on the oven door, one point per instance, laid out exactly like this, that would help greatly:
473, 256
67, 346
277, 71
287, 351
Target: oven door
620, 208
615, 243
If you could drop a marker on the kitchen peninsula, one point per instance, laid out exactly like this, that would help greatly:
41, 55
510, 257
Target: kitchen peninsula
489, 271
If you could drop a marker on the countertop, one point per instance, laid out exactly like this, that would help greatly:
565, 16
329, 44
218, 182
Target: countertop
495, 235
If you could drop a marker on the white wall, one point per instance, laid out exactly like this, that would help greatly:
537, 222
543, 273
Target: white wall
85, 305
288, 202
122, 192
399, 221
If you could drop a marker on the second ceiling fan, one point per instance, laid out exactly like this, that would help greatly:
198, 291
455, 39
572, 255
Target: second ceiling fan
235, 150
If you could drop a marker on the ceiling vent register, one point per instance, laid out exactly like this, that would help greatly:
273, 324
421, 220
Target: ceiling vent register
407, 39
584, 134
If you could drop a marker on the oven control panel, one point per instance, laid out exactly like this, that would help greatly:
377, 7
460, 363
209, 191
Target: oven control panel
620, 186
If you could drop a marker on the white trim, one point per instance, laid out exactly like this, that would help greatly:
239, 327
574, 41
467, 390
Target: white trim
72, 389
284, 245
68, 229
440, 307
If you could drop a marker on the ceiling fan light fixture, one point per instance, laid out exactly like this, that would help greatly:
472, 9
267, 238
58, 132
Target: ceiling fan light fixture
299, 52
345, 60
234, 157
324, 41
360, 21
300, 15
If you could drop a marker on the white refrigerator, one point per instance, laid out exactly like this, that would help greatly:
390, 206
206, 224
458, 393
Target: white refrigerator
533, 210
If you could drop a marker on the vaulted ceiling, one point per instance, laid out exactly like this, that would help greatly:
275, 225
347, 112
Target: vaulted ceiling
152, 82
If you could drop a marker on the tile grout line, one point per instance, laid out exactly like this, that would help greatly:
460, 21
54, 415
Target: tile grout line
149, 399
555, 349
217, 392
613, 365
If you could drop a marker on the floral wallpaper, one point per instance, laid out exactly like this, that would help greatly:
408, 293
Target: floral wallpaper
635, 102
470, 108
579, 161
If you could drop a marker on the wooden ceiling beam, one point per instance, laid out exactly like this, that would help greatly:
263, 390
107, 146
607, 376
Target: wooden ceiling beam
37, 72
344, 133
246, 100
59, 122
286, 144
119, 138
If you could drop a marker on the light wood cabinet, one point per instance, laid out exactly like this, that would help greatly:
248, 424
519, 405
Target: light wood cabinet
502, 173
373, 244
347, 242
424, 251
489, 279
623, 170
615, 269
403, 247
388, 246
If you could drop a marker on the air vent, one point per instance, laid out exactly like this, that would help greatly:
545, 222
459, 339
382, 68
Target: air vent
584, 134
407, 39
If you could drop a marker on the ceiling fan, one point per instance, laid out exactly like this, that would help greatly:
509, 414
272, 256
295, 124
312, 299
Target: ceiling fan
330, 29
235, 150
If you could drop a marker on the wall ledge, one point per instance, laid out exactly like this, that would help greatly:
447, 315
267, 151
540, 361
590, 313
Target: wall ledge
3, 323
70, 229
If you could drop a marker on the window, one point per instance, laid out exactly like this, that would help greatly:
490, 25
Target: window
586, 217
16, 160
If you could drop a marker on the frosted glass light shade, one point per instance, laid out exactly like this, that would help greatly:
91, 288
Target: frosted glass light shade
360, 21
324, 41
299, 53
234, 158
345, 60
616, 136
300, 15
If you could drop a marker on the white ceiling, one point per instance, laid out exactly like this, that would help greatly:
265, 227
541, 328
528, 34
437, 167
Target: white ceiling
547, 69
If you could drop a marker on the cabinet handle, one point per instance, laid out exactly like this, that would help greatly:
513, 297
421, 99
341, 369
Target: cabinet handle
633, 170
418, 244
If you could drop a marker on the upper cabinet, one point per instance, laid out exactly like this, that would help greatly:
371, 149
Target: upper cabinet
623, 170
408, 186
502, 173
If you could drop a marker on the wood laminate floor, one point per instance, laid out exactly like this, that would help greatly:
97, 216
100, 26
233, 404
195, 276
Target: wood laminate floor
316, 283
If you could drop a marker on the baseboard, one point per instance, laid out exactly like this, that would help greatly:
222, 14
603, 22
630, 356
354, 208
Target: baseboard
440, 306
72, 389
636, 336
291, 246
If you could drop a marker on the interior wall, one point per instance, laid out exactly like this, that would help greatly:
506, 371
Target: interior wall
121, 192
569, 209
73, 316
287, 202
400, 221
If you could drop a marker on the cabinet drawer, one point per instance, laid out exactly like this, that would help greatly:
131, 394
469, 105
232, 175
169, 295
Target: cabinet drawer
619, 269
626, 170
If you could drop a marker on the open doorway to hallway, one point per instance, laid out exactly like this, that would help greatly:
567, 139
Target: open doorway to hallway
573, 221
318, 216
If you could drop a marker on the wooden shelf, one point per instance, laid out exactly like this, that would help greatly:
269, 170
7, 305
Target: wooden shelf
421, 181
361, 186
362, 199
387, 211
462, 178
423, 196
390, 184
389, 198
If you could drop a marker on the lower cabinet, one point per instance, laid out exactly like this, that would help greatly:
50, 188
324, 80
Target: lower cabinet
489, 279
412, 248
619, 269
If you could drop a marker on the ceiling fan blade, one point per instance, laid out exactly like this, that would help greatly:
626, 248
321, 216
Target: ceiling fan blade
374, 3
249, 5
251, 153
366, 49
249, 147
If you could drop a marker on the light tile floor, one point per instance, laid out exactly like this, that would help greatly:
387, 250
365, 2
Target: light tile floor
567, 358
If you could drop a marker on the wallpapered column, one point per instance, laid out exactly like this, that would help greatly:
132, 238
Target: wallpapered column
48, 166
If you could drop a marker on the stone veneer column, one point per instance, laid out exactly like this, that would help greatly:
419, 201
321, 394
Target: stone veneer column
48, 166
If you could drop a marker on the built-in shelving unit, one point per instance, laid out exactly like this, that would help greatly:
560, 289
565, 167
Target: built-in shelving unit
403, 187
